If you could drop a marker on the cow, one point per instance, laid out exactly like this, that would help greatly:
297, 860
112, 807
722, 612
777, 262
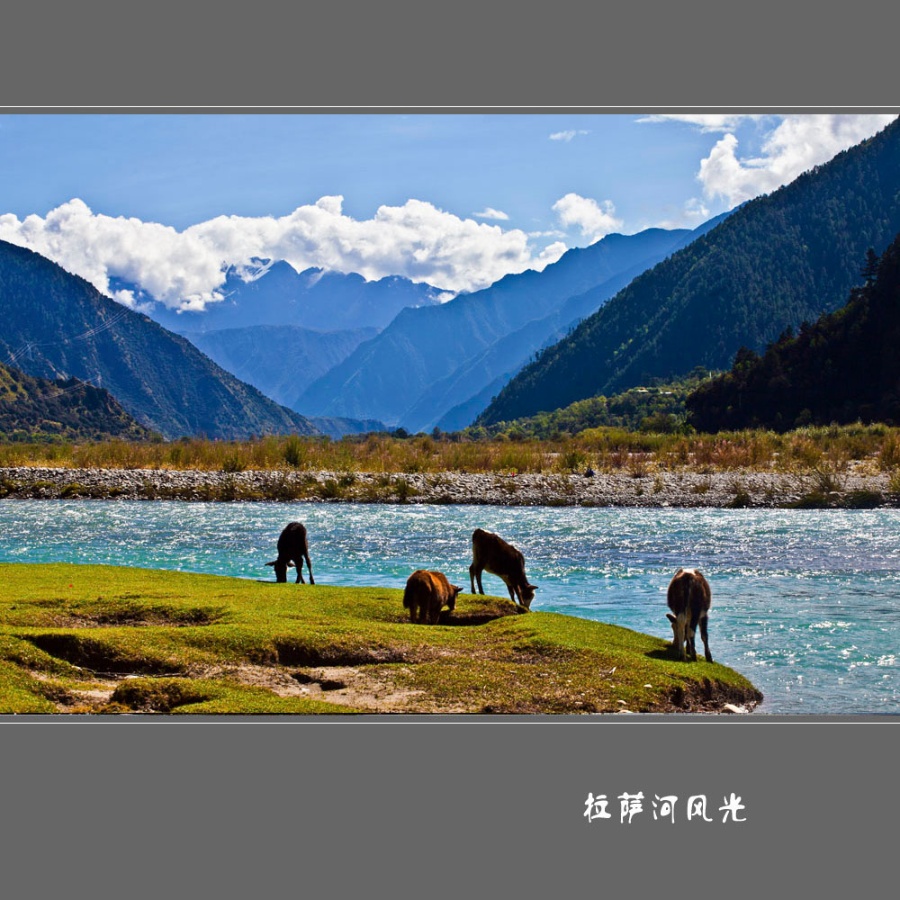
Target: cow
426, 592
293, 548
689, 598
490, 552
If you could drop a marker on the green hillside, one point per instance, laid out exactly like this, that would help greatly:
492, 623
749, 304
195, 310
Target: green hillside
112, 640
56, 325
657, 407
842, 369
779, 260
35, 409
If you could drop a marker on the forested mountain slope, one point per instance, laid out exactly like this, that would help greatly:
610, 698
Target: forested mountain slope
777, 261
843, 368
35, 409
56, 325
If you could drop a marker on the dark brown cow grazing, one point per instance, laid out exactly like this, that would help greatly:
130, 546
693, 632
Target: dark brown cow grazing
491, 553
293, 548
689, 599
426, 592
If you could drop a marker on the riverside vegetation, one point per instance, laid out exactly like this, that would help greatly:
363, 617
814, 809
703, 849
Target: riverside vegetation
849, 465
104, 639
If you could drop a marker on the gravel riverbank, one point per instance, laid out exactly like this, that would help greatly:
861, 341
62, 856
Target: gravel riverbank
676, 488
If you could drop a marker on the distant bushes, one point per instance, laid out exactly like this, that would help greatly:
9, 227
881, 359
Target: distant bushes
605, 448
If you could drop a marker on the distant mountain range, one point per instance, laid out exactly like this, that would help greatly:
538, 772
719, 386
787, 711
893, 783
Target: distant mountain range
69, 410
320, 352
280, 360
56, 325
437, 365
776, 262
276, 294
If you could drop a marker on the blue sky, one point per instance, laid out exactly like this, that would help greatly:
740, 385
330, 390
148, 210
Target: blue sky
169, 201
182, 169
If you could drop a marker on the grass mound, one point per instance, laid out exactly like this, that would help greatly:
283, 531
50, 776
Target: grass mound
113, 640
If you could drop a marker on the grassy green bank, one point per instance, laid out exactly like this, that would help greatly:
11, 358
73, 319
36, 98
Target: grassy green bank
102, 639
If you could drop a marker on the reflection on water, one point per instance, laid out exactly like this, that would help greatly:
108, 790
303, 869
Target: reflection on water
805, 603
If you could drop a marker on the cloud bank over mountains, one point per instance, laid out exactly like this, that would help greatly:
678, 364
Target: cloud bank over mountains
796, 143
187, 269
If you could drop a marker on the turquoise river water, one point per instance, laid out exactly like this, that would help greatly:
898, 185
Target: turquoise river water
806, 603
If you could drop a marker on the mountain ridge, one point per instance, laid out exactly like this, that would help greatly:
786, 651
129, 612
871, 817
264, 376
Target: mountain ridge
71, 410
779, 259
57, 325
841, 369
384, 377
315, 298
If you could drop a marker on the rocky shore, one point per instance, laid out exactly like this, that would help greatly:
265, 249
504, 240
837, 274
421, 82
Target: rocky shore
852, 488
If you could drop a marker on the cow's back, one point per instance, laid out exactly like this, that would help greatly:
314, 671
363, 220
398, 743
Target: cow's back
688, 591
494, 554
292, 539
425, 593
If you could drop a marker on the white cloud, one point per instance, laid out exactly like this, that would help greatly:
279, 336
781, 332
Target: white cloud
186, 269
490, 213
594, 219
705, 121
795, 145
693, 213
167, 264
550, 254
695, 209
567, 135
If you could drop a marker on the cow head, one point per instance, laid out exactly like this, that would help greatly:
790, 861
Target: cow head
454, 593
280, 569
682, 634
528, 594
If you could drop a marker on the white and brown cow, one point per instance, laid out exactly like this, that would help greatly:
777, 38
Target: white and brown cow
492, 554
426, 592
689, 598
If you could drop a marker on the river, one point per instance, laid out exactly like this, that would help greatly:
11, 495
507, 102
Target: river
806, 603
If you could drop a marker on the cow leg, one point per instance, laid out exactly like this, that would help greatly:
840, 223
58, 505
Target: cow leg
475, 574
691, 650
309, 567
299, 564
703, 634
698, 617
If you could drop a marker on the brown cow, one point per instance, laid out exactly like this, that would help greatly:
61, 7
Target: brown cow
490, 552
426, 592
689, 598
293, 548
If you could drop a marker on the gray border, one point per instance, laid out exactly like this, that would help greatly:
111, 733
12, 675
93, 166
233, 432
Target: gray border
438, 807
403, 54
444, 804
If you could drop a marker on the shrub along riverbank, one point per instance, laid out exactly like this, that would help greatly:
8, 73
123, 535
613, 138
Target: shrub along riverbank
103, 639
605, 449
847, 466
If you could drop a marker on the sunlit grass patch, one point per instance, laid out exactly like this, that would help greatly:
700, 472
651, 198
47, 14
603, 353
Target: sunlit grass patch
109, 639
